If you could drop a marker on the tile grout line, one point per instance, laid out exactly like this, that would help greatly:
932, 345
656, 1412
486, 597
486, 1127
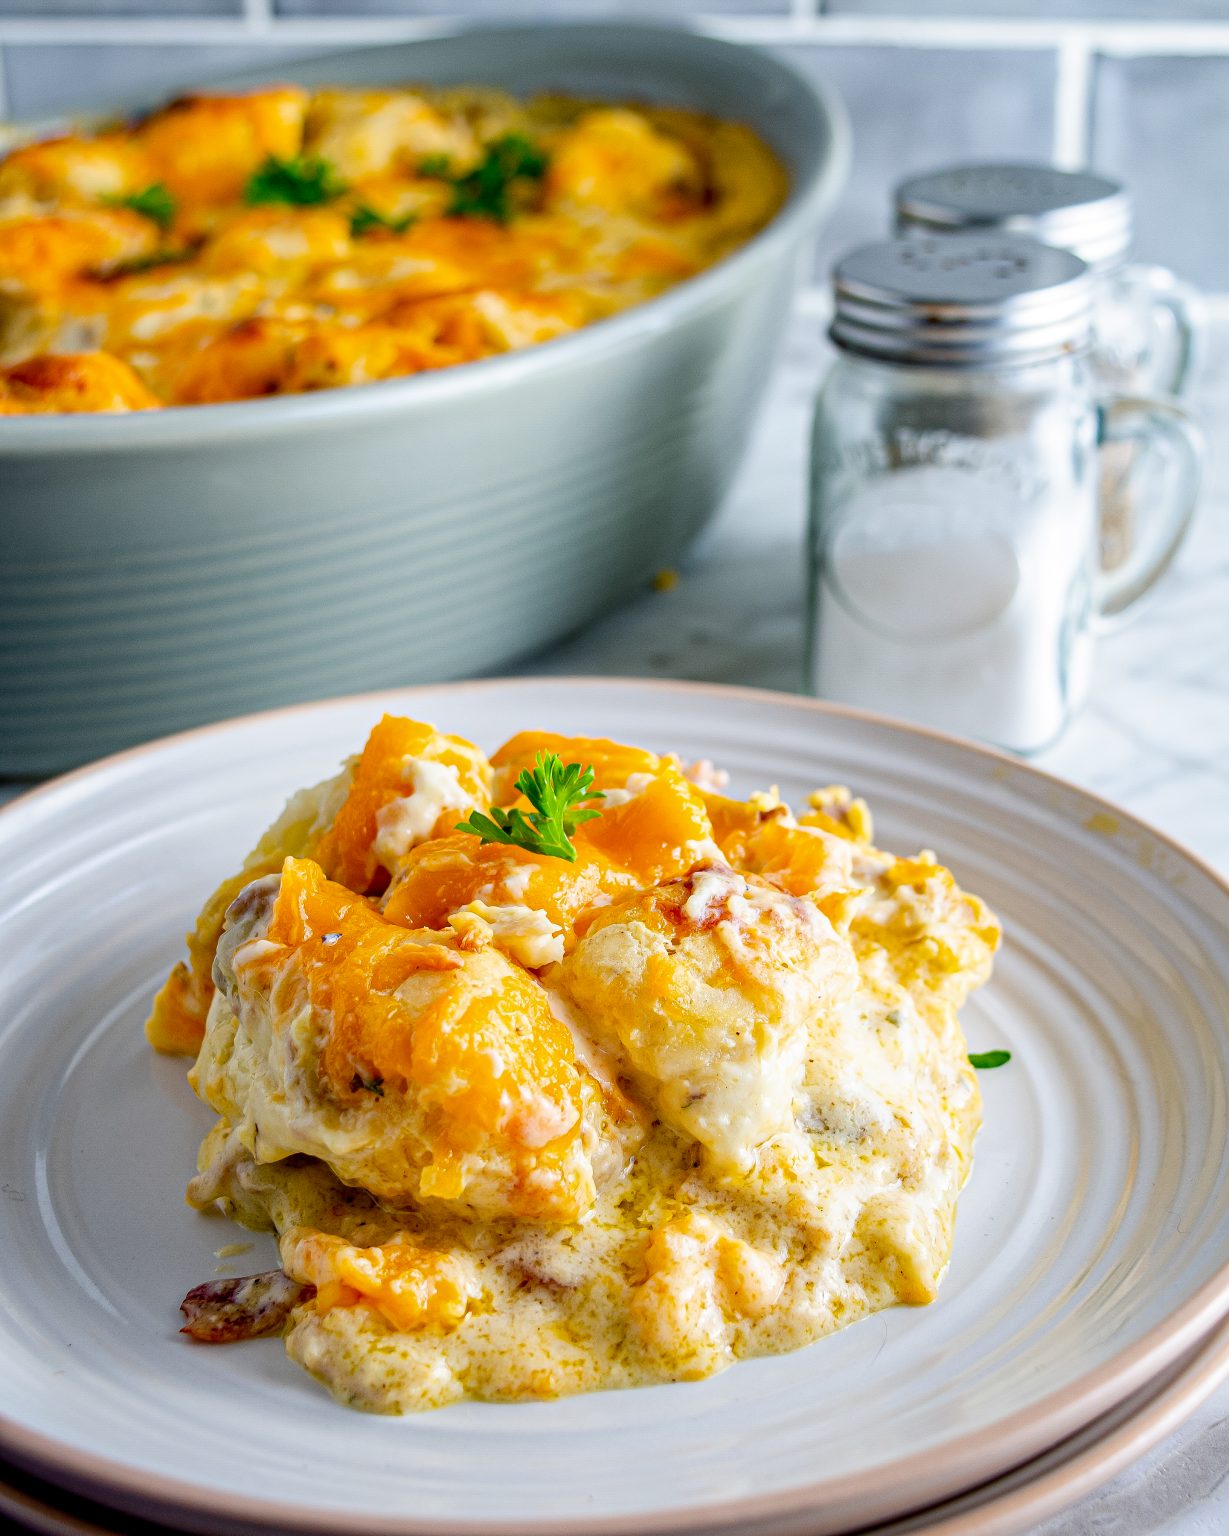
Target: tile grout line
1122, 39
257, 25
1073, 104
1119, 39
807, 21
257, 15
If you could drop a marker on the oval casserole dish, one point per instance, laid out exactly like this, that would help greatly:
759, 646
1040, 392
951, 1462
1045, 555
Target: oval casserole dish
162, 569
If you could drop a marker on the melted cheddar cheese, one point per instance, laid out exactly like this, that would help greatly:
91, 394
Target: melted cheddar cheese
227, 247
526, 1126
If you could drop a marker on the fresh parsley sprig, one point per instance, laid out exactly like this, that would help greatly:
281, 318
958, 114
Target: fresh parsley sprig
435, 166
559, 796
303, 181
485, 192
364, 219
130, 266
153, 202
984, 1060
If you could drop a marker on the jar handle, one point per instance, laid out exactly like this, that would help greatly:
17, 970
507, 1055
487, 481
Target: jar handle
1182, 301
1163, 437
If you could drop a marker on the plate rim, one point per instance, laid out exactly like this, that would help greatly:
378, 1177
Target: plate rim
1020, 1509
1061, 1412
1007, 1514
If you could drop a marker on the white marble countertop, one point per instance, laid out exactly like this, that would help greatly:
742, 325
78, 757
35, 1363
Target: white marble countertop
1155, 737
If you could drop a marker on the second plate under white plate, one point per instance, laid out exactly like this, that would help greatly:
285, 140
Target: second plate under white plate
1090, 1247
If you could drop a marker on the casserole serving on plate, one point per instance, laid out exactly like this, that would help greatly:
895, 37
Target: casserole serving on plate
164, 567
616, 1081
1090, 1244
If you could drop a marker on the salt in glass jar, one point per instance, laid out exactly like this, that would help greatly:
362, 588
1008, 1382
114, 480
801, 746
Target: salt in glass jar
955, 488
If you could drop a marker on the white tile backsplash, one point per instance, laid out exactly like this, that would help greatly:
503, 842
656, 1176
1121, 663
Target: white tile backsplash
47, 78
914, 108
78, 8
557, 8
1162, 125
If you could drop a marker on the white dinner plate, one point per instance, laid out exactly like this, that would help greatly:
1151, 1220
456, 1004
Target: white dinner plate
1091, 1246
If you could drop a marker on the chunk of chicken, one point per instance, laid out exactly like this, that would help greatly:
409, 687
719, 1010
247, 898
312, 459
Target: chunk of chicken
205, 147
413, 1067
710, 986
368, 133
74, 169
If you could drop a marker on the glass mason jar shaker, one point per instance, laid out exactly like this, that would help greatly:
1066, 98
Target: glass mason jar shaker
954, 493
1144, 325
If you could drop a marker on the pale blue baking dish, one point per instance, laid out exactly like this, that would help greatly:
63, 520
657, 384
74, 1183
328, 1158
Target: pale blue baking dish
162, 570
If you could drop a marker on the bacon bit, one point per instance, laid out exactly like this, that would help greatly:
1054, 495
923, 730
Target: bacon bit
704, 775
698, 900
224, 1311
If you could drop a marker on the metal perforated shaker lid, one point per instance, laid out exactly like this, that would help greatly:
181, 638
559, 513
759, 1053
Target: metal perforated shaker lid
1074, 210
962, 301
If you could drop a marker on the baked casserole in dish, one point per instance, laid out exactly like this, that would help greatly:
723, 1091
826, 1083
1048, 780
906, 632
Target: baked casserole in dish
168, 566
280, 240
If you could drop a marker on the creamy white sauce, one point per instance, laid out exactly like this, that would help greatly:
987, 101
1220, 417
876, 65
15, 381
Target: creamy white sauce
703, 850
589, 1054
410, 819
636, 785
725, 892
286, 243
710, 891
253, 950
